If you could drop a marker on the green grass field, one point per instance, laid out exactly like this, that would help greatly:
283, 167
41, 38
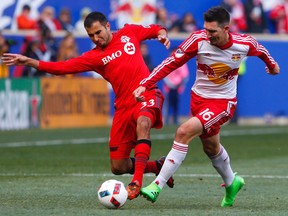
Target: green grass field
58, 172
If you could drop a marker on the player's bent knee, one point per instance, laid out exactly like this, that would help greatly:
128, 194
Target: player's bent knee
181, 131
144, 124
118, 170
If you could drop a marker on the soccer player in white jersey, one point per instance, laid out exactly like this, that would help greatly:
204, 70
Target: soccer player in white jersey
213, 96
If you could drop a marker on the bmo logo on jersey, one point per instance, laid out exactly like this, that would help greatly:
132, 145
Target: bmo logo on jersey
114, 55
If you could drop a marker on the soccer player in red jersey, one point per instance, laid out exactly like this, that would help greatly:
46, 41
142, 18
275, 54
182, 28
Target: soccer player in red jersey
117, 57
213, 96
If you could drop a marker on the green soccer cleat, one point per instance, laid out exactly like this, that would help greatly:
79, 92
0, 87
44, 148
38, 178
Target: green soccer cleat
151, 192
232, 191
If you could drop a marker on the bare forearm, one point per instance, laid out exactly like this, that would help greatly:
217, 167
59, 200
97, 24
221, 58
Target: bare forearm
32, 63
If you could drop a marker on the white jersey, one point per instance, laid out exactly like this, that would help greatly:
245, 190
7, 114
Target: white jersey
217, 67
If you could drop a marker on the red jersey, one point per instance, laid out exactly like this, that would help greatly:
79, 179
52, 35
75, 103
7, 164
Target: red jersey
120, 62
25, 22
280, 15
217, 67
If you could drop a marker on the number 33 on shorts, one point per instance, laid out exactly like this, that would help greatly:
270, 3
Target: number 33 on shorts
150, 103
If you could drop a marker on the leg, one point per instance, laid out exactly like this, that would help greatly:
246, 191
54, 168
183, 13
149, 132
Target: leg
221, 162
143, 147
219, 158
130, 130
147, 115
141, 154
184, 134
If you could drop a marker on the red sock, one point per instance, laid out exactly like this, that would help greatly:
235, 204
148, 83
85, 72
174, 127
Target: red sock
142, 154
152, 167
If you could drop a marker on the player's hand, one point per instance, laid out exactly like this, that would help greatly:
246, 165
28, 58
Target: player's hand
138, 94
14, 59
274, 71
164, 40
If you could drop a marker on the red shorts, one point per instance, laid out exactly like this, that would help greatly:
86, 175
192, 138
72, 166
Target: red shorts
123, 135
212, 113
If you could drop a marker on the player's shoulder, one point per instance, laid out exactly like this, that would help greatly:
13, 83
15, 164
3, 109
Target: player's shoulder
139, 26
128, 25
131, 26
198, 35
242, 38
194, 39
126, 29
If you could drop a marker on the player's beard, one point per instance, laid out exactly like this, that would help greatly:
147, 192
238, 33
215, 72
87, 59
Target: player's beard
100, 44
213, 40
103, 42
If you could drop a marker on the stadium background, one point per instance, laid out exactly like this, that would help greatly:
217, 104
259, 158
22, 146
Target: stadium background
262, 98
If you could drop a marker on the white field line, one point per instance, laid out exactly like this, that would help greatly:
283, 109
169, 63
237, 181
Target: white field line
110, 175
242, 132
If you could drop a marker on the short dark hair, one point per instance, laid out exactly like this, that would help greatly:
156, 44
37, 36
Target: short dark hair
217, 14
26, 7
94, 17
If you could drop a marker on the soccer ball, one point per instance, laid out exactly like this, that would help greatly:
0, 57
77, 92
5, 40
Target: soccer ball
112, 194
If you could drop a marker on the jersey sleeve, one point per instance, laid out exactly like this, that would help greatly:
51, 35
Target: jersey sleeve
71, 66
145, 32
256, 49
187, 50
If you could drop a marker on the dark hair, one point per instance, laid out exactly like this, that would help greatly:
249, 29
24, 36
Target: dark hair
94, 17
217, 14
26, 7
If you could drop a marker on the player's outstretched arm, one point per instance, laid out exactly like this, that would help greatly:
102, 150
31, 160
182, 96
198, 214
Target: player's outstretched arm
274, 71
11, 59
138, 93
